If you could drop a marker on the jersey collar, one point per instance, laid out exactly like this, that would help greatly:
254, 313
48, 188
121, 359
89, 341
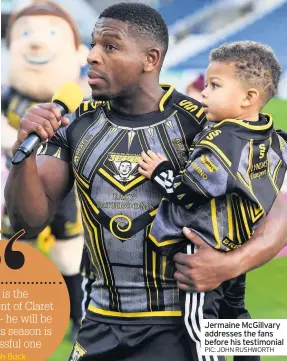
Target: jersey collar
141, 120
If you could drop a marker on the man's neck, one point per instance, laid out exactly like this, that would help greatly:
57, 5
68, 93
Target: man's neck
141, 101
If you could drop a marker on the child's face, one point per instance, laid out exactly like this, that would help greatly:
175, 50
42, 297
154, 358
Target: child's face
224, 94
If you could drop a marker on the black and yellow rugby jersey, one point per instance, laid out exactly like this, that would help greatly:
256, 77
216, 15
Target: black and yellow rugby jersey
231, 180
118, 204
67, 223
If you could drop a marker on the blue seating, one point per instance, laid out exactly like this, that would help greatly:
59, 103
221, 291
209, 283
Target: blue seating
175, 10
271, 30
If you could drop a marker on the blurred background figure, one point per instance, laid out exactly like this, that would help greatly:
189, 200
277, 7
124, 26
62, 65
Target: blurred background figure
195, 88
195, 27
4, 176
45, 51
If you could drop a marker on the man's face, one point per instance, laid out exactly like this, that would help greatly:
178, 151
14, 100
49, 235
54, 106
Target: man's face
125, 168
116, 59
43, 55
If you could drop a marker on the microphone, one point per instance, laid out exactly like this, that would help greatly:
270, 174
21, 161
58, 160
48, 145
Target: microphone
67, 99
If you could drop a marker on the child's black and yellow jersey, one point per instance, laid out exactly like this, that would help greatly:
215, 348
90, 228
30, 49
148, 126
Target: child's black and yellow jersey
231, 180
118, 204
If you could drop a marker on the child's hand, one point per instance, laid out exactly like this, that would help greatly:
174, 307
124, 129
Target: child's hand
149, 162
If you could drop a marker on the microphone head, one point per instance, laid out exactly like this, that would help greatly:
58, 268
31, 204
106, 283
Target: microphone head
70, 95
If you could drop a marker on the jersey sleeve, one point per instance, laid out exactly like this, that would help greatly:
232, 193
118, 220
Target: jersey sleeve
204, 178
58, 145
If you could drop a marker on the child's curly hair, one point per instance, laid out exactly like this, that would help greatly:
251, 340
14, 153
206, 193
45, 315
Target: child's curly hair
255, 63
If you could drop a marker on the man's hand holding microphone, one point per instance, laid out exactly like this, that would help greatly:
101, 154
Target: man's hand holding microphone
42, 121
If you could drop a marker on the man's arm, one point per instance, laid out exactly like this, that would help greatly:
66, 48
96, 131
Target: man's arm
208, 268
34, 188
33, 192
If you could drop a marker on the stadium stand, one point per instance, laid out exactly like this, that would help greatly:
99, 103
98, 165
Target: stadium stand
270, 29
176, 10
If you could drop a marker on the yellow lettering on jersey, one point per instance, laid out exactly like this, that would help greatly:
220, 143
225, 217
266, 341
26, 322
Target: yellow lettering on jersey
188, 105
199, 170
195, 110
262, 150
209, 165
258, 174
90, 105
227, 242
258, 166
81, 147
213, 134
115, 157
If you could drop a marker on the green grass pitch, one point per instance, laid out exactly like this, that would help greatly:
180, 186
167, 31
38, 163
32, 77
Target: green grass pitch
278, 109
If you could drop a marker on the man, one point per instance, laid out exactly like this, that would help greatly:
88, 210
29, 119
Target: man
134, 311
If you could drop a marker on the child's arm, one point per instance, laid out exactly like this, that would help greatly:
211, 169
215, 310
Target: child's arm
151, 161
204, 178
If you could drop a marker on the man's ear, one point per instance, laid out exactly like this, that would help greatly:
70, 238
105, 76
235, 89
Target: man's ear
153, 59
251, 97
82, 52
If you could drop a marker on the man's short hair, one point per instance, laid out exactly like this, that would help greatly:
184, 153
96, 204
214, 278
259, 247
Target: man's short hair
256, 64
146, 21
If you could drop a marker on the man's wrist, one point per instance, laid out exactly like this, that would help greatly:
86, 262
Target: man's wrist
236, 263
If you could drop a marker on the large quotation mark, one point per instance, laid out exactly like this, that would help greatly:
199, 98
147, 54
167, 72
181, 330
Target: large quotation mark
14, 259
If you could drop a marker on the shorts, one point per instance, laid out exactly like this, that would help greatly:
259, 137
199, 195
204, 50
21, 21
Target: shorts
98, 341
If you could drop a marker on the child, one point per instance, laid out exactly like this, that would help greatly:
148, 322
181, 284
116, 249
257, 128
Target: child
235, 170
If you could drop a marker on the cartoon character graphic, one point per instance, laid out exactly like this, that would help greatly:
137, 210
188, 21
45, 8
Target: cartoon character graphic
124, 169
